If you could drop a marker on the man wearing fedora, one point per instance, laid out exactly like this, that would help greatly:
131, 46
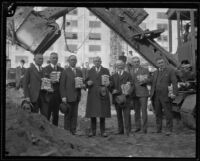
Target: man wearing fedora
98, 101
120, 99
70, 94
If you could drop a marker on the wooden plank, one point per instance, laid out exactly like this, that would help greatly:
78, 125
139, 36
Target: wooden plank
146, 47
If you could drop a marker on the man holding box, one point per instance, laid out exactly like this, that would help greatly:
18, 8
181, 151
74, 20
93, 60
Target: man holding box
53, 71
121, 86
140, 78
98, 101
70, 91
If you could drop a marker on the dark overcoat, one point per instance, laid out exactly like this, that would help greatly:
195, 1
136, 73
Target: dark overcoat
97, 105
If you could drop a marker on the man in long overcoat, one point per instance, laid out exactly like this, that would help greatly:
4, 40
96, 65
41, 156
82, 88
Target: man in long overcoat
70, 94
141, 93
162, 78
32, 85
98, 101
54, 98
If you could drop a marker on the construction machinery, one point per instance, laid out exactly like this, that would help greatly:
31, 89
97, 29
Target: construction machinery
36, 31
185, 103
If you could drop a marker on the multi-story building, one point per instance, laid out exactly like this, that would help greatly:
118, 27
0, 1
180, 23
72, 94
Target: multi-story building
85, 36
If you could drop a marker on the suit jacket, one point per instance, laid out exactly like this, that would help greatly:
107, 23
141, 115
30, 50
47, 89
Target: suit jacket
160, 84
117, 81
20, 71
32, 83
67, 85
141, 90
47, 71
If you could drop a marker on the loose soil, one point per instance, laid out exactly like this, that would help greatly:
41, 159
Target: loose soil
29, 134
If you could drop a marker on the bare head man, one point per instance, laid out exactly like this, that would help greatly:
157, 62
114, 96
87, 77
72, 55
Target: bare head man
54, 58
38, 58
161, 63
136, 61
120, 65
72, 61
97, 62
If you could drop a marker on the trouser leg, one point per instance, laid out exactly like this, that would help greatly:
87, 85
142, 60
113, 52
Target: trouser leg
93, 125
168, 114
44, 105
158, 112
74, 116
126, 116
119, 119
67, 119
143, 107
55, 110
137, 114
102, 124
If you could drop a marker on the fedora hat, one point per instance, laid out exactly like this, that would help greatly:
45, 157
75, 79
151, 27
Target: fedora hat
102, 91
64, 108
120, 99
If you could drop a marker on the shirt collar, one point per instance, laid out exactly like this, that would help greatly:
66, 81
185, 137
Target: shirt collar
37, 66
52, 65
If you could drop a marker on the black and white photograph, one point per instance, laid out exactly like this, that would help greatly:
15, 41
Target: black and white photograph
99, 81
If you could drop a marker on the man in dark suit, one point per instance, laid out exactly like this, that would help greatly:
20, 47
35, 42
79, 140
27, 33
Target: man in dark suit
20, 71
54, 98
98, 101
140, 78
70, 94
162, 78
32, 86
123, 111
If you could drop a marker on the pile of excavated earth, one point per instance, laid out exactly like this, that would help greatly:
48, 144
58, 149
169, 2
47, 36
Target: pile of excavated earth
29, 134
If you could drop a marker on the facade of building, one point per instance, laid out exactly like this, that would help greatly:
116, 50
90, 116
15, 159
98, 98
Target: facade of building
86, 37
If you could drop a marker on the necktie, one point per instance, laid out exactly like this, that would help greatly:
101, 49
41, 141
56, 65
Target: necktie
74, 70
55, 68
97, 69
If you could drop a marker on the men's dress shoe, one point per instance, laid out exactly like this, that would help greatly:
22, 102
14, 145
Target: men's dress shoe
158, 131
120, 132
91, 134
137, 130
168, 133
104, 134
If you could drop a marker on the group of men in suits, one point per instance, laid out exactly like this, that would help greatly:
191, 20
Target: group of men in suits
98, 99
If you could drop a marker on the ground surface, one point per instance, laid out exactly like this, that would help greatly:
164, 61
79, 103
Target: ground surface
32, 135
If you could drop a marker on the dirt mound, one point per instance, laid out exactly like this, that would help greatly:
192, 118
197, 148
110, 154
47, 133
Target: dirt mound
31, 135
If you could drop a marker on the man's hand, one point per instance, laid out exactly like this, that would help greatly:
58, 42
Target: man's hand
28, 99
172, 96
64, 100
115, 91
89, 83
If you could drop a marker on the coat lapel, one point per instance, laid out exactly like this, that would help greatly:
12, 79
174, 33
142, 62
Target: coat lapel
163, 74
36, 72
